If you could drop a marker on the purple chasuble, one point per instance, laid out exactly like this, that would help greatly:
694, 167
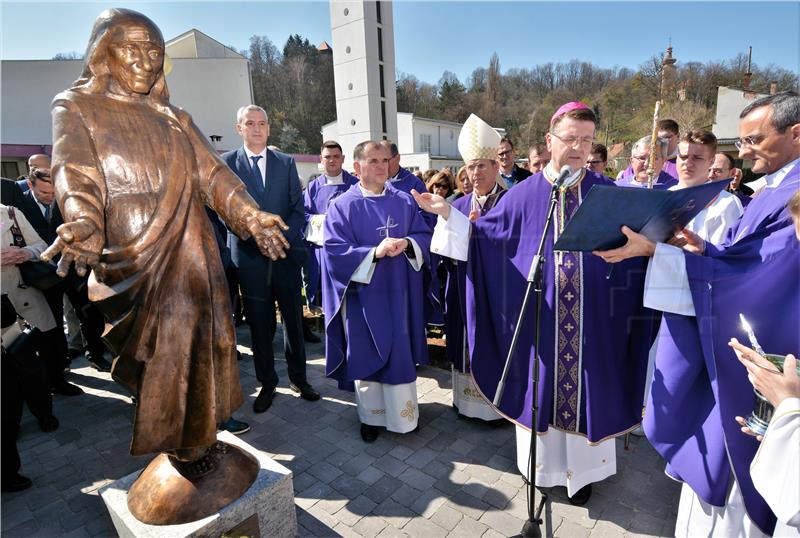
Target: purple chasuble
670, 167
318, 195
663, 182
595, 334
383, 337
434, 310
699, 386
455, 289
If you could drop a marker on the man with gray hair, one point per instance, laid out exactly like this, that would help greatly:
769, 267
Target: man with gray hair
640, 157
271, 179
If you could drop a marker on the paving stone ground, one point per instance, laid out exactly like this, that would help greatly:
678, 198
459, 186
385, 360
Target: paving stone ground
454, 477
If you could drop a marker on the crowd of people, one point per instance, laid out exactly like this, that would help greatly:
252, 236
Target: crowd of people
382, 254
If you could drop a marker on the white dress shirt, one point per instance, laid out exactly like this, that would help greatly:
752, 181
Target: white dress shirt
262, 162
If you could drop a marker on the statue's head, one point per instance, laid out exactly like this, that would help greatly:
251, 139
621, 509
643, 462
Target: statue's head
125, 56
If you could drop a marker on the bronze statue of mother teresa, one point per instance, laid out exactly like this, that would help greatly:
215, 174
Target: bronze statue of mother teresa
133, 175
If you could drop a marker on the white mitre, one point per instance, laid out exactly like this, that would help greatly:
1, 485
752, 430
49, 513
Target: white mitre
477, 140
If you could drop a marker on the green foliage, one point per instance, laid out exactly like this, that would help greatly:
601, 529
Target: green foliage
295, 85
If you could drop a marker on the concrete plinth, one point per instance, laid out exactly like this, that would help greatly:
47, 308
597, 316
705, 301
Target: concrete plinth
266, 509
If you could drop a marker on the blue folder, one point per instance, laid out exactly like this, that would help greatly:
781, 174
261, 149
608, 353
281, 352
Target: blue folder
656, 214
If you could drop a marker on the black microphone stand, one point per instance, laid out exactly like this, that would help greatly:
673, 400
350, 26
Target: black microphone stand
531, 528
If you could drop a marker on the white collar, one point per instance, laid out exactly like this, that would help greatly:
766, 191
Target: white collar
774, 179
481, 200
370, 194
250, 154
552, 175
334, 180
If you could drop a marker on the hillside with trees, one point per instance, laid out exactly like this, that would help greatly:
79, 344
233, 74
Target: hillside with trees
295, 85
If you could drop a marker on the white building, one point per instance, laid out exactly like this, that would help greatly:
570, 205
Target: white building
423, 143
730, 103
208, 79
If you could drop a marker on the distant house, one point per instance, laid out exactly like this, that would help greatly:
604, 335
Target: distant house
208, 79
730, 103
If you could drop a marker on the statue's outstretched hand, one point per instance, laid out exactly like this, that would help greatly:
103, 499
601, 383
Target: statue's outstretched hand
81, 243
267, 229
432, 203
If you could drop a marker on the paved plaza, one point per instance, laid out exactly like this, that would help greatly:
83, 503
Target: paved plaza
453, 477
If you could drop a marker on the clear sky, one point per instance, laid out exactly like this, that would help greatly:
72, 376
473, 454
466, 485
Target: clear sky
458, 36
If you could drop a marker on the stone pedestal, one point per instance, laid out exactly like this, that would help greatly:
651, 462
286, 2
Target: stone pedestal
266, 509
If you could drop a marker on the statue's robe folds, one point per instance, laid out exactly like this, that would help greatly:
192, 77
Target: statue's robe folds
142, 173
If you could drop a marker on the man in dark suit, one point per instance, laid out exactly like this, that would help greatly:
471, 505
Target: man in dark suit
43, 213
271, 179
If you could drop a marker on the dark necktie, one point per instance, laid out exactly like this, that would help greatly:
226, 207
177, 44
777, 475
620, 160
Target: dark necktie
47, 213
257, 171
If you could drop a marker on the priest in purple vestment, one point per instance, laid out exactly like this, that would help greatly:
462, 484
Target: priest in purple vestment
668, 135
487, 191
595, 334
640, 156
698, 386
375, 244
316, 199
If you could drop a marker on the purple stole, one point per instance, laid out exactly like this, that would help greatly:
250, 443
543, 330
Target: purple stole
383, 337
699, 386
595, 334
316, 199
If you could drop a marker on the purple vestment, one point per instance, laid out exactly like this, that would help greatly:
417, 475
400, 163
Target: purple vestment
670, 167
317, 197
595, 334
699, 386
434, 310
455, 289
383, 337
663, 182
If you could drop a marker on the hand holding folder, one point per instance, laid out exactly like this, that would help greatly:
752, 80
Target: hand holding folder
654, 214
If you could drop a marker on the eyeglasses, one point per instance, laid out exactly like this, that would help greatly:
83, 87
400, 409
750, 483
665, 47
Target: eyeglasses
503, 153
752, 140
593, 162
641, 158
570, 140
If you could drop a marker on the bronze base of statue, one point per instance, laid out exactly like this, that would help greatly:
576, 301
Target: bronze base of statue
171, 492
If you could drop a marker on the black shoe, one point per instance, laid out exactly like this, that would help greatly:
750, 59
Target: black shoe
309, 336
263, 400
236, 427
48, 424
306, 391
369, 433
16, 482
581, 496
65, 388
100, 364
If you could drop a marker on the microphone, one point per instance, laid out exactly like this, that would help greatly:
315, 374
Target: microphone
565, 172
